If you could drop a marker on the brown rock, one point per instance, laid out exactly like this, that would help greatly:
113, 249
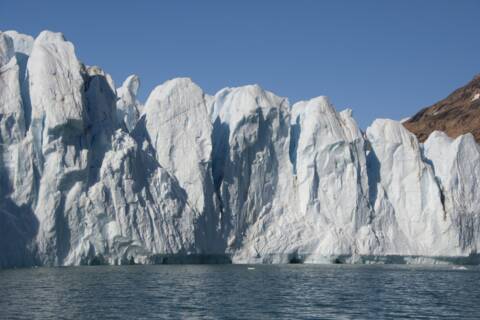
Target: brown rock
457, 114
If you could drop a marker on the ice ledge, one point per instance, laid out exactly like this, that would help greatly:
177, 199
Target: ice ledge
194, 259
472, 259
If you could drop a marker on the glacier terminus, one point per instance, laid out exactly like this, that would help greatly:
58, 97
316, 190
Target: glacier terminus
91, 175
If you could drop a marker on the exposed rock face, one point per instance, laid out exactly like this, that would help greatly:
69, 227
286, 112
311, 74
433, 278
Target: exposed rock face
88, 175
457, 114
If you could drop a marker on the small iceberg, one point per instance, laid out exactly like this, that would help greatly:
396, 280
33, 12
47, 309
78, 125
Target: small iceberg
459, 268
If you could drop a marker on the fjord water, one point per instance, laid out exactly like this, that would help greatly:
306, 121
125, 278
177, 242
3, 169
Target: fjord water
241, 292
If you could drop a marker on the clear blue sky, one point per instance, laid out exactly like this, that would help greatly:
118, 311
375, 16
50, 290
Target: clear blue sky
380, 58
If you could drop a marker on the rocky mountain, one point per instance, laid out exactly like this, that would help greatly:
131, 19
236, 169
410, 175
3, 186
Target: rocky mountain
457, 114
90, 175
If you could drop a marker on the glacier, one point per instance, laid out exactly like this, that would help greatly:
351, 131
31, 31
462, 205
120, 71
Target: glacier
91, 175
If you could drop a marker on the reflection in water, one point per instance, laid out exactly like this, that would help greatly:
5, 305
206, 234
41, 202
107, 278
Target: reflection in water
239, 292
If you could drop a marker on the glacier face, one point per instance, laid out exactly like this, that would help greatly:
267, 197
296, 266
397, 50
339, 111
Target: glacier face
88, 174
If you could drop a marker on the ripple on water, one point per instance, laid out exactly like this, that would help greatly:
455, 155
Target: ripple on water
238, 292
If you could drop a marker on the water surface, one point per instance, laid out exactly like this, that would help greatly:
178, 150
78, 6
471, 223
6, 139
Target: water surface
237, 292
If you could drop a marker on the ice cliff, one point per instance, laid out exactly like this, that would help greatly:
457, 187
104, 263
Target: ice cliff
90, 175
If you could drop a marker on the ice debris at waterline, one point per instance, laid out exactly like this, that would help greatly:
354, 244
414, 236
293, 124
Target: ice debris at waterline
90, 175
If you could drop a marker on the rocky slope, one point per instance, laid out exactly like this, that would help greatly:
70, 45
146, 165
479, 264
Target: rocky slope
89, 175
457, 114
